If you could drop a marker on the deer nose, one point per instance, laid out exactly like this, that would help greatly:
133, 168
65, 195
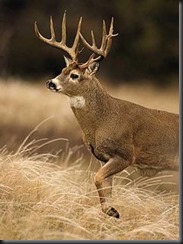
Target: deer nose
50, 85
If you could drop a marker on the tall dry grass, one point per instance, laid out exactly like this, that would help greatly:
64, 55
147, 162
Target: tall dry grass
50, 195
42, 199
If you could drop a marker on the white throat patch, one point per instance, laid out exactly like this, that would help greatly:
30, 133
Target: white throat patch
77, 102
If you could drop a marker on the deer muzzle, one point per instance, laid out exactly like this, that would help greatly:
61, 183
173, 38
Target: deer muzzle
52, 85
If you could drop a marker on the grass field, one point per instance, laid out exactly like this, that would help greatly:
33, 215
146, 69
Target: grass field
46, 175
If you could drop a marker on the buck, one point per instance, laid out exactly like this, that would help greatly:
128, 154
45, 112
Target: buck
119, 133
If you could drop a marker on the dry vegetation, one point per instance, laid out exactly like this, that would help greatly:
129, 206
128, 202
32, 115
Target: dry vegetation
50, 195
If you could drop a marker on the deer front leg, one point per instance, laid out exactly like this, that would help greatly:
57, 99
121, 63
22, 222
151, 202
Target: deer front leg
103, 177
107, 187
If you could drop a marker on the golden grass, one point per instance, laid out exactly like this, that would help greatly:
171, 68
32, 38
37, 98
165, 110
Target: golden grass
51, 196
42, 199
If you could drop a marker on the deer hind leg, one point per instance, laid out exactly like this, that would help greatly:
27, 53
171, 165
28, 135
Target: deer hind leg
103, 177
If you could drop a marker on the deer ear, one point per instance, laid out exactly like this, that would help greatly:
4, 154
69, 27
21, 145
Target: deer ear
68, 61
93, 68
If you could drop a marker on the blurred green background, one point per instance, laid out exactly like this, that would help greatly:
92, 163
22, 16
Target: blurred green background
147, 47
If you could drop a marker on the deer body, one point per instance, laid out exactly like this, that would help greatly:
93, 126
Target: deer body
118, 133
147, 138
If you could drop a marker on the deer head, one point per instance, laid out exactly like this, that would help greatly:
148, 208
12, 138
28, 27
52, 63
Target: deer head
75, 78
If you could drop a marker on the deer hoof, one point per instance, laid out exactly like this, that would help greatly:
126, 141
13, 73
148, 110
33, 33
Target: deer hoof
113, 212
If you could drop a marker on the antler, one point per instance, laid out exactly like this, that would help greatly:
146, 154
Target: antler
72, 51
105, 45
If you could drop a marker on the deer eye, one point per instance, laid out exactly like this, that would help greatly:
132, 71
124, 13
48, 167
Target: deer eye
74, 76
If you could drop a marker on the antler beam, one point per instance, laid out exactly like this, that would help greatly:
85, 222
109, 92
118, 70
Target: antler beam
72, 51
106, 41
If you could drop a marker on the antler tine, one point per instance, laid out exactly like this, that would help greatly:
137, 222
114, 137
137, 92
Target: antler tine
63, 31
52, 29
85, 42
76, 40
111, 26
93, 39
104, 35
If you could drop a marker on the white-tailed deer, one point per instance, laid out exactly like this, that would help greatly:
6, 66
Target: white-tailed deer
118, 133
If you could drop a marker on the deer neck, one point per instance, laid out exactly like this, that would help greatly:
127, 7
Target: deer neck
91, 108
